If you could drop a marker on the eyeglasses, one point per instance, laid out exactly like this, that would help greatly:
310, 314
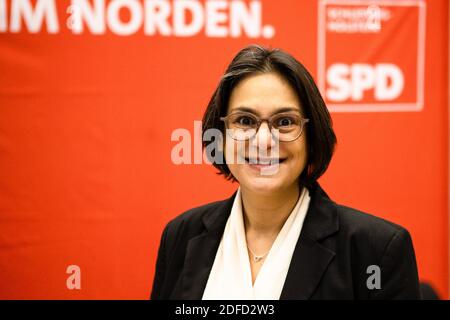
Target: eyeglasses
243, 126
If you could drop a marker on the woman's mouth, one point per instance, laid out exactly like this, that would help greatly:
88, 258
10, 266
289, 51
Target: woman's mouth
263, 163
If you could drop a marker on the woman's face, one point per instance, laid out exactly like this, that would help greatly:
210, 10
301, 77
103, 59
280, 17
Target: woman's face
265, 95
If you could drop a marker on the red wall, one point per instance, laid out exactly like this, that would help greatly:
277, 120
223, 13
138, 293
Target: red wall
86, 176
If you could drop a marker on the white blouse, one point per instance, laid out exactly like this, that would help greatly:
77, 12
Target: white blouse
230, 277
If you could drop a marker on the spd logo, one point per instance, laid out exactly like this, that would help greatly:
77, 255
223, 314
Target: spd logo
371, 55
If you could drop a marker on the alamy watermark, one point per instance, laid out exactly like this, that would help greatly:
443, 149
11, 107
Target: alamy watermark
255, 151
73, 281
374, 280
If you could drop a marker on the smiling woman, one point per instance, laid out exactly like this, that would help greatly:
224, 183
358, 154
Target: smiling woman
279, 236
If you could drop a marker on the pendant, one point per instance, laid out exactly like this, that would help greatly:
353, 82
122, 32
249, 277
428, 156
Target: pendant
257, 259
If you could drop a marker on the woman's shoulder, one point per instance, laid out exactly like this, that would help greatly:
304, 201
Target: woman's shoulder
194, 220
197, 213
357, 219
373, 243
352, 222
365, 229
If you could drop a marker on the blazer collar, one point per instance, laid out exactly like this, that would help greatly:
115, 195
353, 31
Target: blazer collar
309, 261
311, 258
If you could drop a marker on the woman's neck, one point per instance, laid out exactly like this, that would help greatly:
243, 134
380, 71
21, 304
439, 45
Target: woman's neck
267, 213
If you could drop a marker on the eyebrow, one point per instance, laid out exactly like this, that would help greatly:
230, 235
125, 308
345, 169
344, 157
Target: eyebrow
252, 110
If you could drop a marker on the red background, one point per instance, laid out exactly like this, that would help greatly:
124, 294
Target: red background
86, 176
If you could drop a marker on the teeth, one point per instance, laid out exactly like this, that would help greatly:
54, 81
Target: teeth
263, 162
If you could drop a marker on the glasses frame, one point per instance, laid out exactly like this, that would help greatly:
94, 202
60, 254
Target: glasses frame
259, 121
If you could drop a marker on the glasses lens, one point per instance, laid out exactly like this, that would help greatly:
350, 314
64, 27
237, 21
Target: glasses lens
242, 126
285, 126
289, 126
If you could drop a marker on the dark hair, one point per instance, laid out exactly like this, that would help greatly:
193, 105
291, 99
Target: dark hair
255, 59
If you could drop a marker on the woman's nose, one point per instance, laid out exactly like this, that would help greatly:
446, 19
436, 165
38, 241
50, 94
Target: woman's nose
264, 138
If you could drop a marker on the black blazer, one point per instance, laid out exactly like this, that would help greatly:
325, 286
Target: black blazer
336, 246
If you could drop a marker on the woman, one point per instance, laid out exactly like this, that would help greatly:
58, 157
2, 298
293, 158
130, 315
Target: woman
279, 236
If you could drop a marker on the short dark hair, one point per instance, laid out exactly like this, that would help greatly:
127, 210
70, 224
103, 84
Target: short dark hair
255, 59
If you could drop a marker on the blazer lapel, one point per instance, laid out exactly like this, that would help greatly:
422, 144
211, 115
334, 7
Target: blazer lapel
311, 259
201, 252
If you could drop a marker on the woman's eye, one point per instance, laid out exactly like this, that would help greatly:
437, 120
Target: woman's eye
245, 121
285, 122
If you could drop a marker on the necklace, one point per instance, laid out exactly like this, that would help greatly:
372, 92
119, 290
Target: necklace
257, 258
